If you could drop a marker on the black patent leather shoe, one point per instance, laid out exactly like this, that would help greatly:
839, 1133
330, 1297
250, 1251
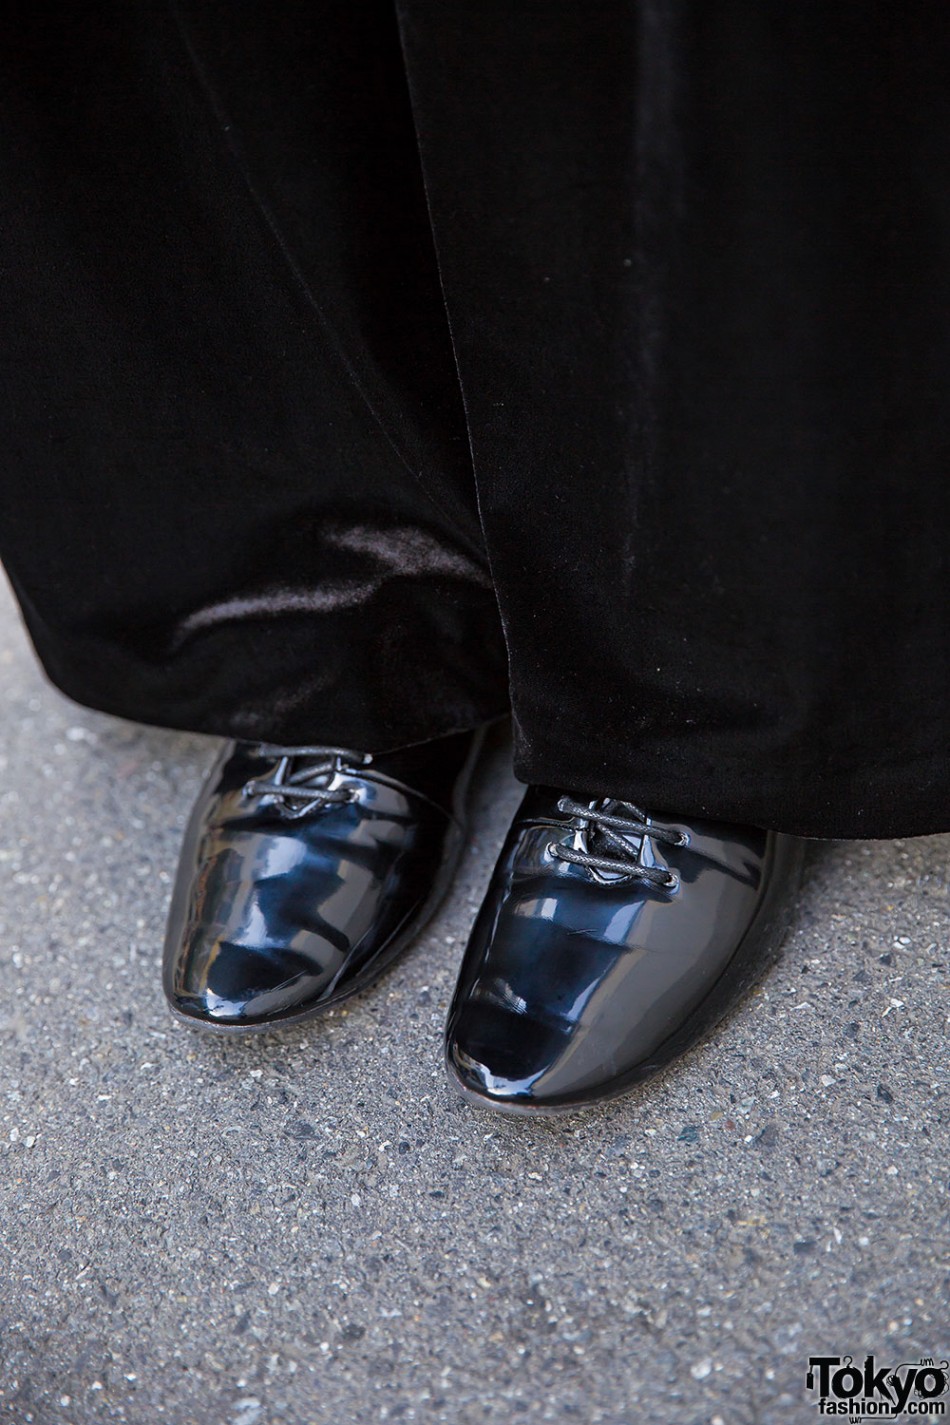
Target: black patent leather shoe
305, 872
608, 942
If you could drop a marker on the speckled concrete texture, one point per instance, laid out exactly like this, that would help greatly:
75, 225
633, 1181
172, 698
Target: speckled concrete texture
307, 1227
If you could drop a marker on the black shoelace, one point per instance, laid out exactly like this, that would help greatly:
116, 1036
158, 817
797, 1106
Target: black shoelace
298, 789
605, 832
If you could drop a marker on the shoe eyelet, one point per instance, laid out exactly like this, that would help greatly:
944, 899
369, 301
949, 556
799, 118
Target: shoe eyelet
672, 882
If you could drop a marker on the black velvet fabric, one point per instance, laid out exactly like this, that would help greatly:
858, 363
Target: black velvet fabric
368, 366
237, 494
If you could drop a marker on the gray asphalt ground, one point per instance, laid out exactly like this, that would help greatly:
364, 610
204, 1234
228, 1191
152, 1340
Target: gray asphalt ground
307, 1227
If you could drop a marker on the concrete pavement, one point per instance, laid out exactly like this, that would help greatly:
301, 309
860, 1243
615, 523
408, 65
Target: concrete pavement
307, 1227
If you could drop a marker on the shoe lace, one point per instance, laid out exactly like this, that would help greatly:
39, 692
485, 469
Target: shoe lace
604, 831
300, 782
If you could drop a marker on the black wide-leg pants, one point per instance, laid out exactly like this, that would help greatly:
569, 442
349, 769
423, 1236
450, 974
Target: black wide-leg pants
369, 367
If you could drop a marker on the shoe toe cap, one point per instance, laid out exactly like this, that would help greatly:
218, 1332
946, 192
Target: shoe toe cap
227, 985
499, 1056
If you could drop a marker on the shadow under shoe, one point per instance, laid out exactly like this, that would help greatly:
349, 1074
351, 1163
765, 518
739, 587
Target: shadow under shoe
608, 942
305, 871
